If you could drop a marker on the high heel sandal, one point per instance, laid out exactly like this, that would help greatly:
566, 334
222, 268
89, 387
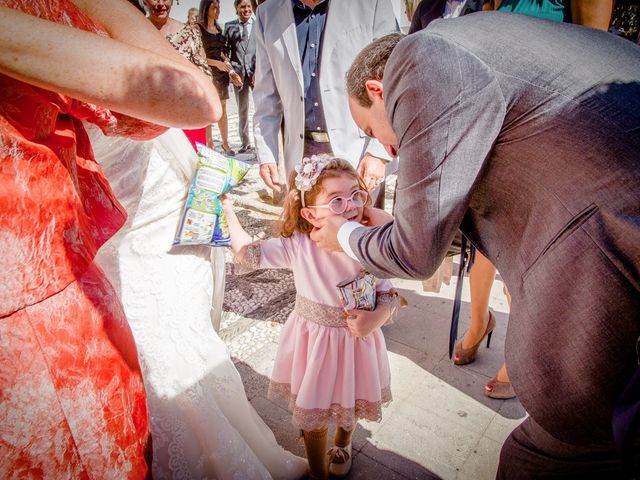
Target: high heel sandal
464, 356
228, 151
498, 389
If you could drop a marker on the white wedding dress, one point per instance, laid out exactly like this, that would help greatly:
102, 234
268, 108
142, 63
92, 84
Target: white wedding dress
202, 424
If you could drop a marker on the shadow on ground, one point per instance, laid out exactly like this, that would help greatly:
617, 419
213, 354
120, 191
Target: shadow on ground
421, 334
376, 463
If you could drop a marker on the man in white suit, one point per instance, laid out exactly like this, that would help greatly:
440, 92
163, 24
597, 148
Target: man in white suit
303, 51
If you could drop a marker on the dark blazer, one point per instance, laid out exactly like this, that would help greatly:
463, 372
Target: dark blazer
525, 134
243, 59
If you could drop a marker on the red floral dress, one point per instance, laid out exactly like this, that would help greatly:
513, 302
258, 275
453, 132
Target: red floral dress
72, 403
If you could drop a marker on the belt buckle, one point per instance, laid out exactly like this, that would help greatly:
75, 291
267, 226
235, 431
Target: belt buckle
320, 137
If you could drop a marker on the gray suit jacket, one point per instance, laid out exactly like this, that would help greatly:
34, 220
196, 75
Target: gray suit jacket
242, 56
526, 134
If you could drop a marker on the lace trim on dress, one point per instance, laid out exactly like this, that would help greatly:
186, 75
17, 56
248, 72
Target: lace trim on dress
318, 418
325, 315
251, 259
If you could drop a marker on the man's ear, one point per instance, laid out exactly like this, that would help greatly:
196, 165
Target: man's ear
308, 214
374, 89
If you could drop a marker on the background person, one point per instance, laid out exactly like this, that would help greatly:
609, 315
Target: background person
303, 49
186, 39
483, 272
202, 424
72, 402
479, 162
241, 42
217, 57
589, 13
192, 16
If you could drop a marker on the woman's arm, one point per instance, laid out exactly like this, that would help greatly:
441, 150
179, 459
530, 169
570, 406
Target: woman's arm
592, 13
220, 65
136, 72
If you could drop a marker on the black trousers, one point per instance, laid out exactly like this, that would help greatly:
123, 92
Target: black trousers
531, 453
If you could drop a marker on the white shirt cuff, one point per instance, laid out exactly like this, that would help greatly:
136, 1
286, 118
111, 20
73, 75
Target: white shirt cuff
343, 237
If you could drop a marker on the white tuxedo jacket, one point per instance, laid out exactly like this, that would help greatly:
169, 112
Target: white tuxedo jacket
278, 92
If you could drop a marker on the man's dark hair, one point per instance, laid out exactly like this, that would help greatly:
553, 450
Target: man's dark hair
369, 65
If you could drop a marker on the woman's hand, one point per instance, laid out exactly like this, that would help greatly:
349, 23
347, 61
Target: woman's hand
225, 67
362, 322
236, 79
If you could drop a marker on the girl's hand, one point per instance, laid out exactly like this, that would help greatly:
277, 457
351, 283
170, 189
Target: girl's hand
362, 322
226, 202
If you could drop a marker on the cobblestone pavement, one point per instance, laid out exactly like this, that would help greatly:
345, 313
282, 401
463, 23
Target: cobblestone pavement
440, 424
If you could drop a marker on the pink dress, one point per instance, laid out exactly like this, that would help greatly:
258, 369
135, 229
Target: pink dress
321, 369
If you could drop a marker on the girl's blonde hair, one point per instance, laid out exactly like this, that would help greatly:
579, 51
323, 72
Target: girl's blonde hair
291, 220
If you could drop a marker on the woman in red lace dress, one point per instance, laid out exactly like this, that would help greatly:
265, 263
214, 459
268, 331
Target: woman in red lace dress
72, 402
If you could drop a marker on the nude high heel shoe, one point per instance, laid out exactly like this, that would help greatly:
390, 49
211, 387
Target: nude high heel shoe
500, 390
464, 356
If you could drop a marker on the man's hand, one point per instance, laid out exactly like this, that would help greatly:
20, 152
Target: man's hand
270, 177
372, 170
236, 79
325, 233
373, 217
362, 322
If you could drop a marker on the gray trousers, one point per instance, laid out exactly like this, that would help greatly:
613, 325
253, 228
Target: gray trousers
531, 453
242, 99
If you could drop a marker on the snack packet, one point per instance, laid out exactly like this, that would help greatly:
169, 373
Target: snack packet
358, 293
202, 221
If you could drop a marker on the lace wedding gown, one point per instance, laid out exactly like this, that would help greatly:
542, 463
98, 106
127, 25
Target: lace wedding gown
202, 424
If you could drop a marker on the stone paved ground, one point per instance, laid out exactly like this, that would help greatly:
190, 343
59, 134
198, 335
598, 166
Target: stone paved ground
439, 425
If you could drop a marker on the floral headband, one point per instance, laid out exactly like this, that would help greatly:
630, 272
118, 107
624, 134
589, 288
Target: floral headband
308, 171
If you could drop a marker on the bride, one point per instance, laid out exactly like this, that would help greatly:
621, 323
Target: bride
202, 424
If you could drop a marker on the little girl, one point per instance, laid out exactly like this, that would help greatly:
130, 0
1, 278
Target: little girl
321, 368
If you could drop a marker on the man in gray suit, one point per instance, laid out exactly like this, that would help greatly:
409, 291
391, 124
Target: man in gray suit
241, 42
525, 134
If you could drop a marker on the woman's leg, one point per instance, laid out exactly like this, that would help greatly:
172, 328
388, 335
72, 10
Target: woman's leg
209, 130
223, 125
480, 282
500, 386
